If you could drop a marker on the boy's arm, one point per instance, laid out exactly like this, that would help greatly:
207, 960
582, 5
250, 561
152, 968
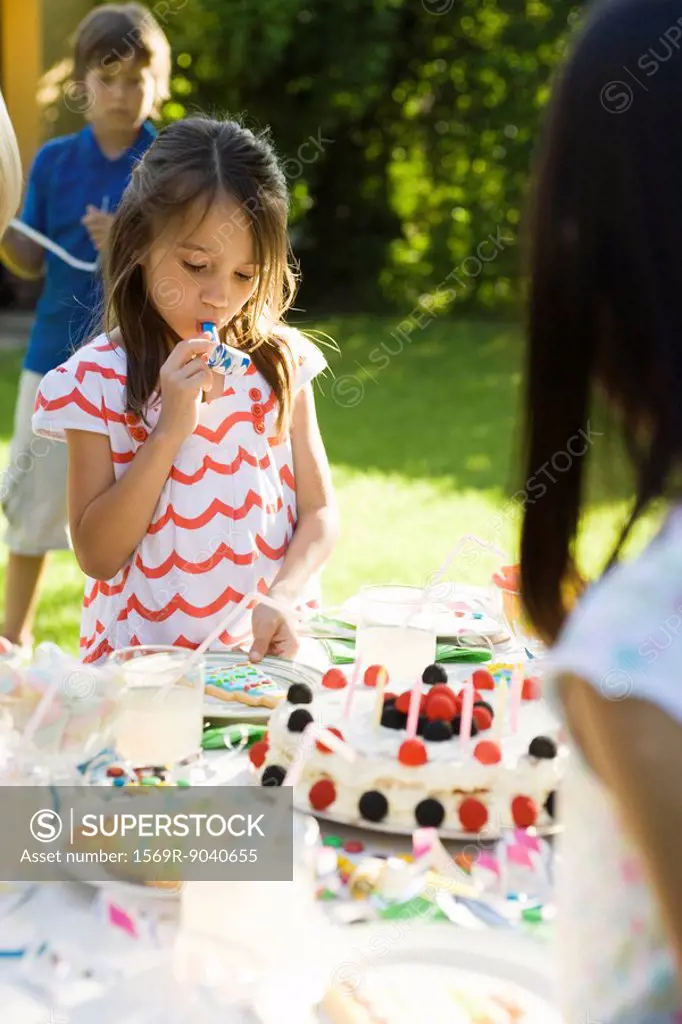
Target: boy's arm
22, 255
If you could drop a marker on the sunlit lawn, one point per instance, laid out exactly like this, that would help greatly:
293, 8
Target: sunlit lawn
424, 457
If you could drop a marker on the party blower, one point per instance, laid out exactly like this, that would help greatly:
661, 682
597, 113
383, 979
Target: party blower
224, 358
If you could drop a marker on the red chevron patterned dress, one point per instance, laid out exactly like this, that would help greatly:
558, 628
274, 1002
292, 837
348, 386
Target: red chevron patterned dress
224, 518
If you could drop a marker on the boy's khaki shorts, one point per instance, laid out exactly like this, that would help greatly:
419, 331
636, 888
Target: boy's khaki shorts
33, 486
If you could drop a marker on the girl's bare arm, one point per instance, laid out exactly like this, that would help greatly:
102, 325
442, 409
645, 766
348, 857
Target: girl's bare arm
636, 749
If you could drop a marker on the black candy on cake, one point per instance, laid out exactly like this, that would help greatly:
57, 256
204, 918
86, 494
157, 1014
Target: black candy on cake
299, 693
438, 731
298, 720
429, 813
273, 775
433, 674
391, 718
550, 804
422, 723
543, 747
456, 724
373, 805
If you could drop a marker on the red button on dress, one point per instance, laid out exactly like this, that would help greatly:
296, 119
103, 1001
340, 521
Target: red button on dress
132, 419
258, 411
259, 427
139, 434
255, 394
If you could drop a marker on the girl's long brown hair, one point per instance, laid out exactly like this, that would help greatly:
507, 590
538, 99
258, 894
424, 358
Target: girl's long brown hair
605, 316
193, 163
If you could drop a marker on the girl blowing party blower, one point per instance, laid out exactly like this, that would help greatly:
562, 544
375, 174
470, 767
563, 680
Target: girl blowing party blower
224, 358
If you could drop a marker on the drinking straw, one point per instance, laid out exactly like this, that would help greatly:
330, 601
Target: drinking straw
450, 557
44, 705
197, 654
437, 576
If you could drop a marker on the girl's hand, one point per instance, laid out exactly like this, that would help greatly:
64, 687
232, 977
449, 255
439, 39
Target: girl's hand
272, 634
183, 378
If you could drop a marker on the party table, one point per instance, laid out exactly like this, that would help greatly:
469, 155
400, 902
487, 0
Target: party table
89, 923
64, 944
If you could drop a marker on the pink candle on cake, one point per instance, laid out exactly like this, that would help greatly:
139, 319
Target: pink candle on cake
354, 680
413, 711
515, 697
501, 706
467, 716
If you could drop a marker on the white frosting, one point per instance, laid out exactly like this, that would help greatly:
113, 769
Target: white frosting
450, 774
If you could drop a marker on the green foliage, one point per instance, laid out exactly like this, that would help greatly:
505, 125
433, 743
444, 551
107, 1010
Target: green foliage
406, 129
420, 447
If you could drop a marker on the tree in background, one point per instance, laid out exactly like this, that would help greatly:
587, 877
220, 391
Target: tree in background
406, 130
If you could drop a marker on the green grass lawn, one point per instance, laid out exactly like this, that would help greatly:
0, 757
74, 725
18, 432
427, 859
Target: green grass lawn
422, 444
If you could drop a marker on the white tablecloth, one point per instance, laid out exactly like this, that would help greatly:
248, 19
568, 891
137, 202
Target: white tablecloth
70, 915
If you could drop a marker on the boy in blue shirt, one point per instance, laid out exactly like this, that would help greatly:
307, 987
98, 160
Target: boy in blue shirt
121, 74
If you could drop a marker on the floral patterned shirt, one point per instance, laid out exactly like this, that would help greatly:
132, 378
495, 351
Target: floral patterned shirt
625, 638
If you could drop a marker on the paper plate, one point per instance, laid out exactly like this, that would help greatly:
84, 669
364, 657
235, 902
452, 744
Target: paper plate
415, 957
282, 672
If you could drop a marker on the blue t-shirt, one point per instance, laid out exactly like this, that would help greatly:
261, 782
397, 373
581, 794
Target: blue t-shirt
69, 174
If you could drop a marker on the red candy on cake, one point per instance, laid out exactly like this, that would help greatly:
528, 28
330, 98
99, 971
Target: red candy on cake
334, 679
327, 750
440, 707
375, 675
487, 751
473, 815
524, 811
412, 753
483, 719
441, 690
483, 680
322, 794
477, 696
532, 689
257, 753
403, 702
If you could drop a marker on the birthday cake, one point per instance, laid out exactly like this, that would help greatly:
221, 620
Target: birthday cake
242, 683
412, 992
375, 763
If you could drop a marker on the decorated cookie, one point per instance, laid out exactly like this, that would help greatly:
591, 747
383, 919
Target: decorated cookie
243, 683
